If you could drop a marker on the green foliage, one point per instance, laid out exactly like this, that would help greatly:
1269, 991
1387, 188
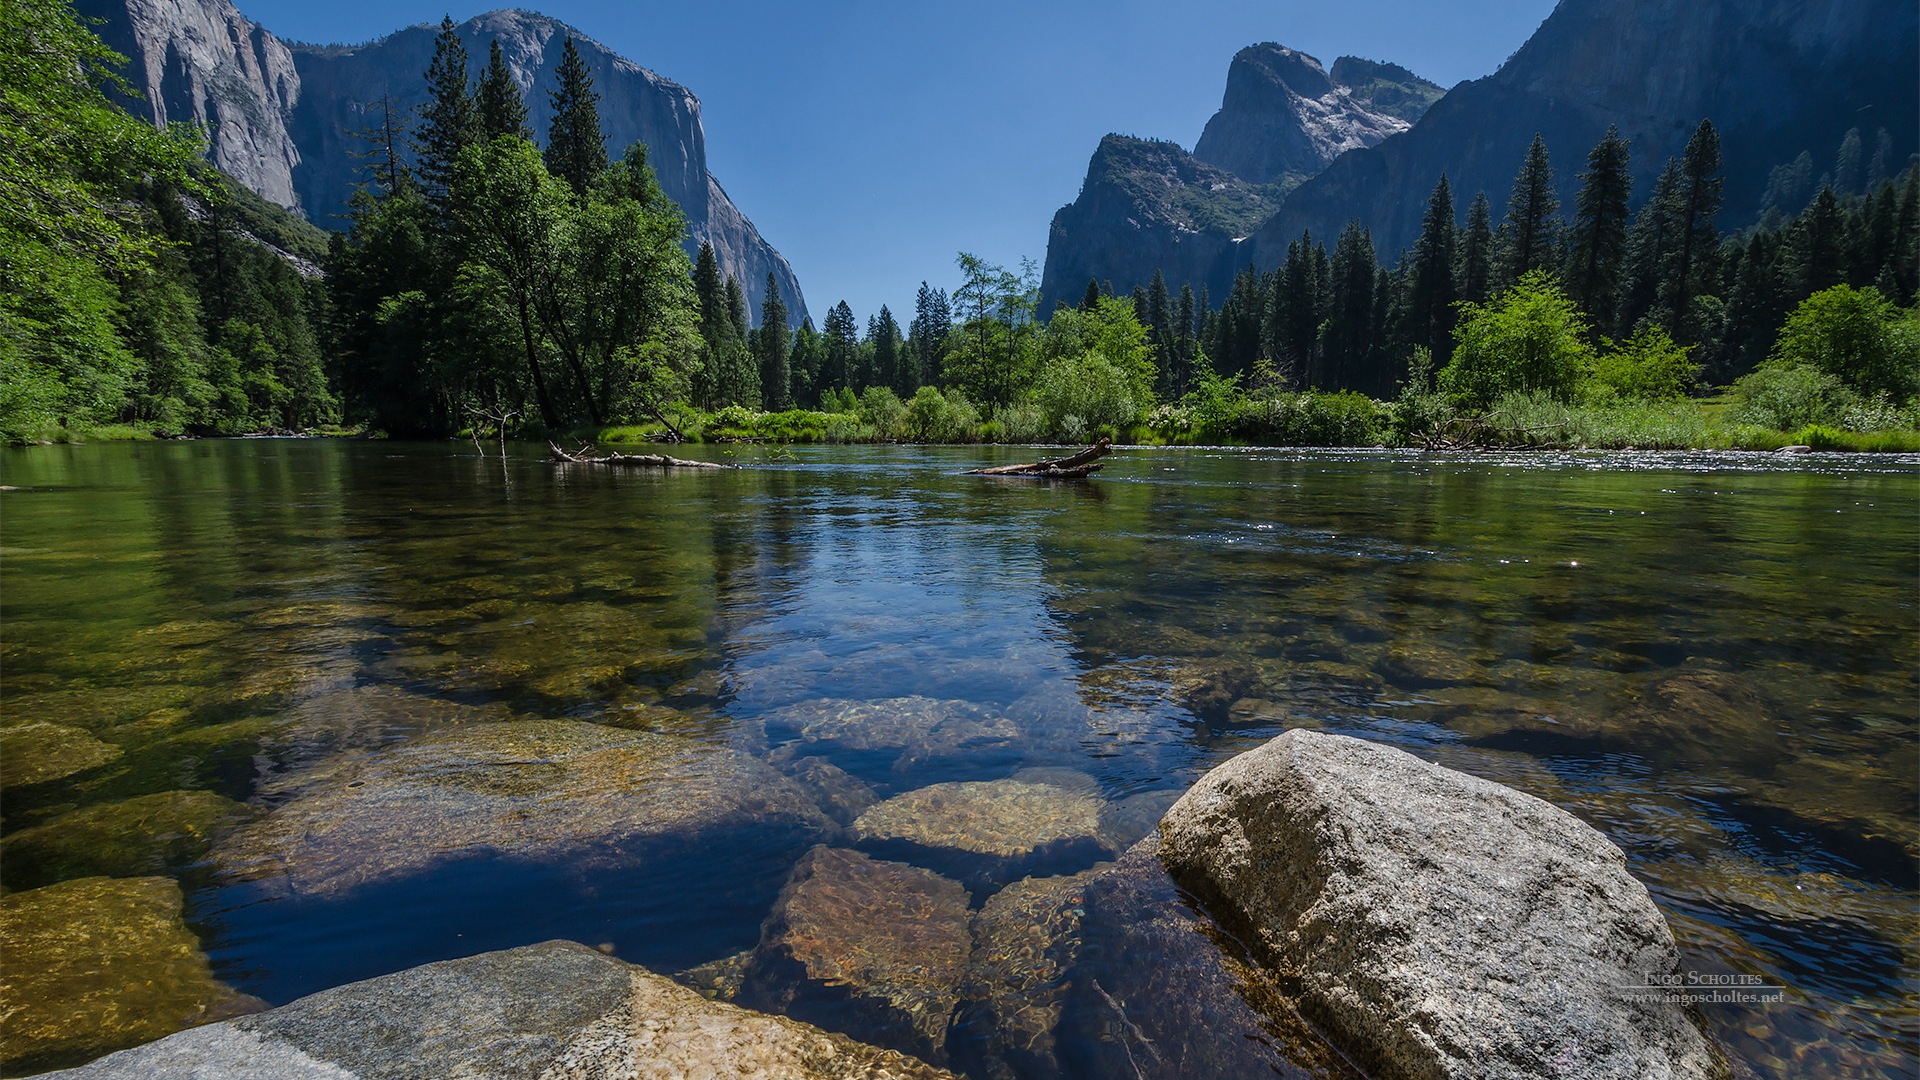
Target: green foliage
934, 417
1084, 394
1530, 337
882, 410
1786, 397
1857, 336
1649, 366
576, 149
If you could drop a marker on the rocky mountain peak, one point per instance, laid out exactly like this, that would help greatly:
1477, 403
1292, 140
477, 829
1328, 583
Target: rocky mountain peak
1284, 117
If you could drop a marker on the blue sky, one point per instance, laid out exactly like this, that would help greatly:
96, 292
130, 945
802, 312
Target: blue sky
871, 141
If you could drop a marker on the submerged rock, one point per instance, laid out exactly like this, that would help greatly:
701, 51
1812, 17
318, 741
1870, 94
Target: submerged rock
913, 729
37, 752
1436, 924
1159, 993
96, 964
1005, 818
871, 948
532, 789
554, 1011
122, 839
1025, 939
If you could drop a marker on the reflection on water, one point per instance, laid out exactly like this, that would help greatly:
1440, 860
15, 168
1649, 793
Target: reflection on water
460, 699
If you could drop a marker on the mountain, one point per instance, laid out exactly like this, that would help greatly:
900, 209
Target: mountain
282, 116
1776, 77
1148, 205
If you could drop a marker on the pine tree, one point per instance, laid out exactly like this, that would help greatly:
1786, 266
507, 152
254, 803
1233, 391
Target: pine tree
385, 174
1847, 164
448, 123
501, 109
1476, 252
1347, 337
1430, 301
1696, 239
1091, 300
927, 334
771, 344
576, 150
1182, 343
1600, 229
737, 307
841, 339
1651, 241
804, 362
1159, 320
1531, 223
890, 364
1819, 256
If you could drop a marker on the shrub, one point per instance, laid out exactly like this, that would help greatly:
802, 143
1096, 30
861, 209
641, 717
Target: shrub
1311, 418
934, 417
1021, 422
1530, 337
1089, 388
882, 410
1648, 366
1856, 335
1787, 397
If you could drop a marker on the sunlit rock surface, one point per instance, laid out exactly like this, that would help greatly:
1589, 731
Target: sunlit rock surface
1006, 818
96, 964
1438, 924
124, 839
526, 789
872, 948
554, 1011
35, 753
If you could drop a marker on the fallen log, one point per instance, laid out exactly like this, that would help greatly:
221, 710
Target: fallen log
1080, 464
585, 456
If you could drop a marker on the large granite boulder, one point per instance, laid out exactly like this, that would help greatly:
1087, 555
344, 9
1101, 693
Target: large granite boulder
531, 790
859, 945
1435, 924
554, 1011
96, 964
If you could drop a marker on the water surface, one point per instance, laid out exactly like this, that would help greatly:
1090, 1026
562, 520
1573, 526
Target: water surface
1710, 658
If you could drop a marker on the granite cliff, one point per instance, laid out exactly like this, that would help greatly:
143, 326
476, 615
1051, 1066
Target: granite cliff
1149, 205
281, 115
1776, 77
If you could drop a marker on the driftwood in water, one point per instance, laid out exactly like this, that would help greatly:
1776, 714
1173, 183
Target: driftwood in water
585, 456
1080, 464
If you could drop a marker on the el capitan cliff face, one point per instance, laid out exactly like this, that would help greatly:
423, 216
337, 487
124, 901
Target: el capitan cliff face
282, 116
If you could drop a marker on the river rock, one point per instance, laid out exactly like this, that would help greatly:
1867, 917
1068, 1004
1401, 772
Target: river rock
1159, 993
96, 964
989, 829
531, 789
554, 1011
1437, 924
122, 839
910, 730
37, 752
1025, 939
870, 948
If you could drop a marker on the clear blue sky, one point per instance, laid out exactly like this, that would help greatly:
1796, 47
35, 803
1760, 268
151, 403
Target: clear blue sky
871, 141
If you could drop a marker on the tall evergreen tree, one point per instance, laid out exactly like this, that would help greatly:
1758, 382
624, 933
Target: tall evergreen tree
1347, 337
1183, 340
501, 109
1651, 241
804, 362
890, 363
771, 350
1091, 299
841, 342
576, 150
1819, 246
1695, 239
1159, 320
1600, 220
1429, 316
1476, 252
927, 334
448, 123
737, 307
1848, 163
1531, 225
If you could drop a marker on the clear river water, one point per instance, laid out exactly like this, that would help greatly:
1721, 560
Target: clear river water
1711, 658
